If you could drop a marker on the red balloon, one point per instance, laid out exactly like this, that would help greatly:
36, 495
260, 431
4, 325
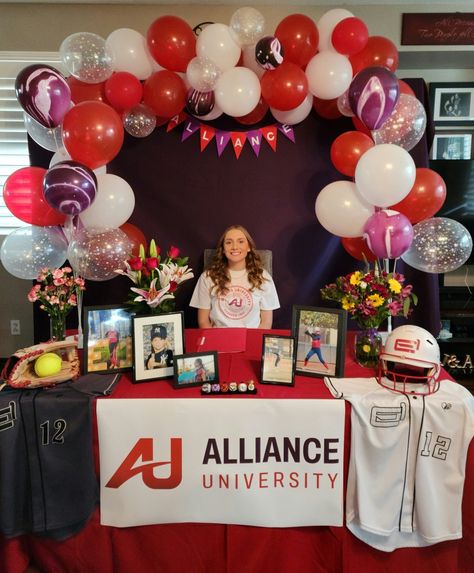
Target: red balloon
350, 36
23, 195
165, 93
405, 88
123, 91
299, 37
80, 91
171, 42
360, 126
256, 115
379, 52
358, 248
326, 108
426, 197
136, 237
347, 149
285, 87
92, 133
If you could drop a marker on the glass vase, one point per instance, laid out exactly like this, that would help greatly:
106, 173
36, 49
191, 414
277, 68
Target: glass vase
57, 326
367, 347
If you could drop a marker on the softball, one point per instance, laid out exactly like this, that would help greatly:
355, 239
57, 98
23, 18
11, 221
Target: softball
48, 364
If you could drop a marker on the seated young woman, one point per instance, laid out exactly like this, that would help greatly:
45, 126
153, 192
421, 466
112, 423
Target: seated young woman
236, 291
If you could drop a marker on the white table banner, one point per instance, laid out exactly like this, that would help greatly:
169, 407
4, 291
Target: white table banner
272, 463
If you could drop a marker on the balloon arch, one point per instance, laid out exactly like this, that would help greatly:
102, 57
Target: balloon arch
131, 83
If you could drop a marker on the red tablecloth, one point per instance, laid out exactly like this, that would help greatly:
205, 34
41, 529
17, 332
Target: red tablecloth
208, 548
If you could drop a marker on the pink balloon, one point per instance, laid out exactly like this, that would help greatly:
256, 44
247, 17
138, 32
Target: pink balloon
388, 233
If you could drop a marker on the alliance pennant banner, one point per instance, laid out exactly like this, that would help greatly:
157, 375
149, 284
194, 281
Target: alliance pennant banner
253, 137
270, 463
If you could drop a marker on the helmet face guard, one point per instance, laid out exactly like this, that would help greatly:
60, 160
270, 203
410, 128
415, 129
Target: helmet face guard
410, 362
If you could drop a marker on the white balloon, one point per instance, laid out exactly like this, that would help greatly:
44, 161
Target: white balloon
129, 52
385, 174
326, 25
295, 115
49, 138
341, 210
237, 91
113, 204
329, 75
249, 61
216, 43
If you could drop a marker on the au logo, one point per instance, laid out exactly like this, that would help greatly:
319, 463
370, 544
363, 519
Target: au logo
142, 454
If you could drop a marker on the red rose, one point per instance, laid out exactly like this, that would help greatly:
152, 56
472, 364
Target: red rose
173, 252
135, 263
173, 286
151, 263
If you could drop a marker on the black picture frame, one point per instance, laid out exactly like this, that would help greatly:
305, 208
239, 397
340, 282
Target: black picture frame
278, 360
452, 103
332, 326
108, 344
145, 367
187, 373
453, 144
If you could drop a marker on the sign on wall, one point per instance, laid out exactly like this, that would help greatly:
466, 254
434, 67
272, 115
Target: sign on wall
273, 463
438, 29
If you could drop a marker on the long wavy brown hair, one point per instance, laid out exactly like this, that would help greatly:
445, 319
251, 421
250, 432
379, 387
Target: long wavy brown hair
219, 270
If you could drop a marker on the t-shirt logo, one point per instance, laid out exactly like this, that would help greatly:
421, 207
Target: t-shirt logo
236, 303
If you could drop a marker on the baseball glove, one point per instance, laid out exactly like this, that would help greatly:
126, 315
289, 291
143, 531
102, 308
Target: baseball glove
19, 370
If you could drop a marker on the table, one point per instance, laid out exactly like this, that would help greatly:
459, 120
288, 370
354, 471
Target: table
216, 548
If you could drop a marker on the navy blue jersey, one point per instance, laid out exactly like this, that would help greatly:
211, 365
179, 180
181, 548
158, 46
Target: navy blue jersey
48, 485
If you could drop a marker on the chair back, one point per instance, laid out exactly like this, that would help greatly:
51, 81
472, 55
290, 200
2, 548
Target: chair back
265, 255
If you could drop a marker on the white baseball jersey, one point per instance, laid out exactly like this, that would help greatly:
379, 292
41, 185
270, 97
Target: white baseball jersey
407, 462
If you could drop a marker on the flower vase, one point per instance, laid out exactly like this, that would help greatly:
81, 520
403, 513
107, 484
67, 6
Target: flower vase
57, 325
367, 347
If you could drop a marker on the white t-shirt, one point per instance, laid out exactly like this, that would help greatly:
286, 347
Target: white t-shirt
407, 462
239, 306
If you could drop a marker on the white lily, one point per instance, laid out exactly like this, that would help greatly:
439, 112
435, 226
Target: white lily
132, 275
152, 296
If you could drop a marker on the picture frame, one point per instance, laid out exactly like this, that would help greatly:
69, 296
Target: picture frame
326, 326
278, 360
453, 144
167, 330
452, 103
195, 368
108, 339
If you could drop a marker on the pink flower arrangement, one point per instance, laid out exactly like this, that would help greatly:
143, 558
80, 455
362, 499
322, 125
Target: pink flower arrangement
156, 280
371, 297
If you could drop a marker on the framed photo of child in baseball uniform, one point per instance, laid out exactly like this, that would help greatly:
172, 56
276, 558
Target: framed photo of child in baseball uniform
195, 368
320, 335
278, 360
156, 340
107, 339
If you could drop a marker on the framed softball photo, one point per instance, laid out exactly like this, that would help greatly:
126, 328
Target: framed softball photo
278, 360
452, 103
194, 369
320, 335
107, 339
156, 340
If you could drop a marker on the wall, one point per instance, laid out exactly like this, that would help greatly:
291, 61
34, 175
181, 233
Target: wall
42, 27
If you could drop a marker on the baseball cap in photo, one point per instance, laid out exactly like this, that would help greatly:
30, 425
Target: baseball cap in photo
158, 332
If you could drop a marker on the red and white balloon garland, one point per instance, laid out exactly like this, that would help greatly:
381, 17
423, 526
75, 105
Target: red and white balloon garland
134, 83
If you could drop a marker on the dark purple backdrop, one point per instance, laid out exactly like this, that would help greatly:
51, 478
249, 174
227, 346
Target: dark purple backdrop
186, 197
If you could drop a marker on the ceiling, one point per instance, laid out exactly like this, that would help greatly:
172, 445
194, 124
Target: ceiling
259, 2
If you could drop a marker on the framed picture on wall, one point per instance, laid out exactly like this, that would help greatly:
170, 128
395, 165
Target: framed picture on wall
107, 339
320, 335
194, 369
156, 340
278, 360
452, 103
452, 145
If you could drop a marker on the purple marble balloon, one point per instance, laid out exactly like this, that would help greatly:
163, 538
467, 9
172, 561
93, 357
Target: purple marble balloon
43, 93
269, 52
373, 94
388, 233
69, 187
200, 103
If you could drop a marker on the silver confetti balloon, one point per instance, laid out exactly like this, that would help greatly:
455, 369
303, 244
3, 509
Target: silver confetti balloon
139, 121
439, 245
202, 74
87, 57
247, 25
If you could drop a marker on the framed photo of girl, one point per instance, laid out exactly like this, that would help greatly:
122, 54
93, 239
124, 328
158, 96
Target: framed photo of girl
452, 103
107, 339
156, 340
320, 335
195, 368
278, 360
